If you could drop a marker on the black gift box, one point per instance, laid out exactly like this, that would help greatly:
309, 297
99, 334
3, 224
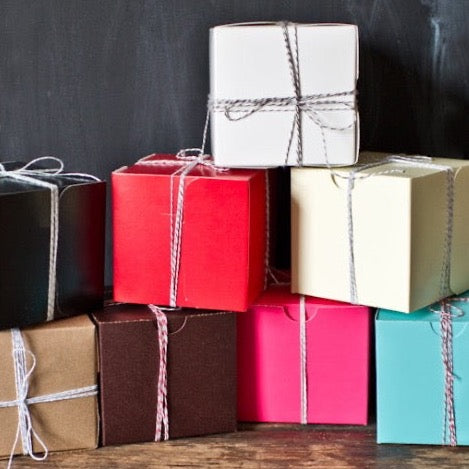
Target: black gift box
25, 211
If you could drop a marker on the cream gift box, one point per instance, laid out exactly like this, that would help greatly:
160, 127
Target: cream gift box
397, 238
253, 94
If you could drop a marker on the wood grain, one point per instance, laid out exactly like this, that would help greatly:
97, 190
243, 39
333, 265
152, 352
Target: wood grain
265, 446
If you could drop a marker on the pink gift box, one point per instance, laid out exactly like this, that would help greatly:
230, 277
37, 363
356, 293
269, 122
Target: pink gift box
337, 360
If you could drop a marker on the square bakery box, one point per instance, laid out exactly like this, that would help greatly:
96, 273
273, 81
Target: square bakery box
384, 242
250, 61
25, 241
201, 370
411, 376
337, 347
222, 237
65, 354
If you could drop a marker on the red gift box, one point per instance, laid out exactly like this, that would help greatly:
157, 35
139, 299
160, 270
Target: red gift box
223, 234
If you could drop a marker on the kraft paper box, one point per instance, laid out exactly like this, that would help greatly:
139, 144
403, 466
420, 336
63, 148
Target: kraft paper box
399, 232
201, 373
337, 360
249, 61
410, 377
25, 241
222, 239
65, 353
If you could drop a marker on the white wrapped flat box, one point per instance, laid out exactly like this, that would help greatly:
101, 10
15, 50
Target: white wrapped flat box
250, 61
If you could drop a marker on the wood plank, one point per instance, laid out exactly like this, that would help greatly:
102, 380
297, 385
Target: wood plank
265, 445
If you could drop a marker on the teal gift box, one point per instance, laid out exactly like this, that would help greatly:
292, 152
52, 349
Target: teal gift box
410, 377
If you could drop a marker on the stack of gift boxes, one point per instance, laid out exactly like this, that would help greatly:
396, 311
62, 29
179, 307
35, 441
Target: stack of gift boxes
202, 332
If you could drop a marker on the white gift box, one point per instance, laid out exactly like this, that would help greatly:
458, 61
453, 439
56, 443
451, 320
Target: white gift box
257, 108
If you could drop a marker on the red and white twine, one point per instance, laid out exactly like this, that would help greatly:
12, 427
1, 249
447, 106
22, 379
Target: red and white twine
162, 420
447, 309
187, 159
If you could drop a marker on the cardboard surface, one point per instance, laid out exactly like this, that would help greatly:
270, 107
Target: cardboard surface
201, 373
249, 61
399, 234
223, 236
24, 267
338, 337
66, 359
410, 377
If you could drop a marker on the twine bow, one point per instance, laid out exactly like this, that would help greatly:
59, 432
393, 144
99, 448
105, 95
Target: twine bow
34, 176
24, 364
416, 161
313, 106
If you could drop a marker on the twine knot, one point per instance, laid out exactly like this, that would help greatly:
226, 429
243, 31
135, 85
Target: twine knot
28, 169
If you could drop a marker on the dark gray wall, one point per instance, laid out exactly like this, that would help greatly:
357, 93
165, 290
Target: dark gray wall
103, 82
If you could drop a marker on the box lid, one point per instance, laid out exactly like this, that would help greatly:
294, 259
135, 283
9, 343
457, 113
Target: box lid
170, 164
395, 169
280, 297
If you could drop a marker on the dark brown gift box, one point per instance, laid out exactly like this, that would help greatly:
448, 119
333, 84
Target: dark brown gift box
201, 373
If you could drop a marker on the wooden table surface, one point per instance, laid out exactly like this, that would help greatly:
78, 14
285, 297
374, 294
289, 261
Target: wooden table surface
264, 445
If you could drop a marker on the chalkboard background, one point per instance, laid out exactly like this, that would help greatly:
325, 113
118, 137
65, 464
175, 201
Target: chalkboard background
100, 83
